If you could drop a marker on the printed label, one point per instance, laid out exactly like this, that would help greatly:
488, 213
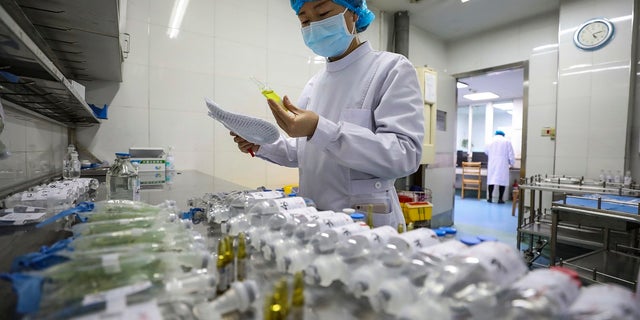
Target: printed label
445, 249
503, 263
116, 293
111, 263
378, 237
20, 218
286, 204
265, 195
554, 285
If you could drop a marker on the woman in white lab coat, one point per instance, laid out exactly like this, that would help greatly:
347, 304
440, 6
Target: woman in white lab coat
358, 124
501, 158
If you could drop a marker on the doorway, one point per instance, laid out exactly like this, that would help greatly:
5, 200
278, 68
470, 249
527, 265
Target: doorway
489, 100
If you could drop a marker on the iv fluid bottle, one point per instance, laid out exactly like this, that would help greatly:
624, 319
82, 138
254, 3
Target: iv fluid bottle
169, 162
541, 294
627, 179
485, 268
618, 177
122, 179
74, 170
66, 162
605, 301
350, 254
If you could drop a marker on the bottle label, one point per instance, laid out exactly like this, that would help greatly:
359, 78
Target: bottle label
286, 204
265, 195
555, 285
351, 229
115, 294
111, 263
419, 238
608, 301
335, 221
445, 249
503, 263
378, 237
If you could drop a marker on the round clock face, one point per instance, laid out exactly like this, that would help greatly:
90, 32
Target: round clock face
593, 34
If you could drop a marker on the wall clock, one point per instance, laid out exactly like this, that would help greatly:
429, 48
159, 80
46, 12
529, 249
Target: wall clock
593, 34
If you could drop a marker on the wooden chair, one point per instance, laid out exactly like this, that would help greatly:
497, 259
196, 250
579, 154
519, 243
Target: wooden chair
471, 177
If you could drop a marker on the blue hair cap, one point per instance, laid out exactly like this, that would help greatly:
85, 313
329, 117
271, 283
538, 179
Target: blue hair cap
500, 132
365, 16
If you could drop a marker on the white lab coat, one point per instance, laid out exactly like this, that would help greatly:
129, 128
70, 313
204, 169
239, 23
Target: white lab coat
369, 133
501, 157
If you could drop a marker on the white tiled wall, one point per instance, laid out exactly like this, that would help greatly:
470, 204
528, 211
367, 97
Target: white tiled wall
219, 46
543, 83
505, 45
426, 49
37, 147
593, 91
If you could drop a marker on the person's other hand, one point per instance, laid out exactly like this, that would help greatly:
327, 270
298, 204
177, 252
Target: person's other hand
297, 122
244, 145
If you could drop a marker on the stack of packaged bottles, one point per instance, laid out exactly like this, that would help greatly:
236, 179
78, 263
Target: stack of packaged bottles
125, 254
282, 258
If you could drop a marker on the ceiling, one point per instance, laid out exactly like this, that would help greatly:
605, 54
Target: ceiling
508, 84
451, 19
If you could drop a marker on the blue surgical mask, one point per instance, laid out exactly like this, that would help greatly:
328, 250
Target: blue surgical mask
329, 37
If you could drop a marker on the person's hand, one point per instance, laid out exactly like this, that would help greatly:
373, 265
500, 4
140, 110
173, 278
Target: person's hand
244, 145
297, 122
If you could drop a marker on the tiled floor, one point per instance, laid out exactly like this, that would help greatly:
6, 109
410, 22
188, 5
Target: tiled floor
479, 217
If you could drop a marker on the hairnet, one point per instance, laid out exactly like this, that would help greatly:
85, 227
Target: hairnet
365, 16
500, 132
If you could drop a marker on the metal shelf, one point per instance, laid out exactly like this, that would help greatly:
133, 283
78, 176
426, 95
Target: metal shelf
604, 266
589, 238
39, 83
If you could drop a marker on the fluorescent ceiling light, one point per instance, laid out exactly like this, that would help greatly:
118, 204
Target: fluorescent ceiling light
546, 46
481, 96
461, 85
503, 106
177, 13
463, 1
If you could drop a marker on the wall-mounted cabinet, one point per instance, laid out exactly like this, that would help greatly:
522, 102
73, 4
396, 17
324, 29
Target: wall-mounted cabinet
47, 45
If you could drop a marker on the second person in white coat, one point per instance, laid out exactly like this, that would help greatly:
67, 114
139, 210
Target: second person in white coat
501, 158
358, 124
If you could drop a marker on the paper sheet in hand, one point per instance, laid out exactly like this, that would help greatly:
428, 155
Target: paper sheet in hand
254, 130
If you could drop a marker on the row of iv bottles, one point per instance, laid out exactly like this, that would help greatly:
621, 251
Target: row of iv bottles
617, 178
71, 164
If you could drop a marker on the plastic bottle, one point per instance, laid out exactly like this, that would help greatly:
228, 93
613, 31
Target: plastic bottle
74, 170
122, 179
327, 266
169, 163
259, 212
627, 179
365, 281
66, 162
609, 176
239, 297
605, 301
297, 258
424, 260
602, 176
541, 294
618, 177
467, 283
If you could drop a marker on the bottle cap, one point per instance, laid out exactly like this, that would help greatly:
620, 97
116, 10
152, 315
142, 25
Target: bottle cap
450, 230
122, 154
440, 232
357, 216
484, 238
470, 241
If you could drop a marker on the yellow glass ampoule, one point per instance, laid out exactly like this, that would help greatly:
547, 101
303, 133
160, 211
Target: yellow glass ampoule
297, 298
241, 258
221, 265
228, 257
268, 93
282, 295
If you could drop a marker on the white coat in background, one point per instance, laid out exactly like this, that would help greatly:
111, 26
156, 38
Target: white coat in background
369, 133
501, 157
